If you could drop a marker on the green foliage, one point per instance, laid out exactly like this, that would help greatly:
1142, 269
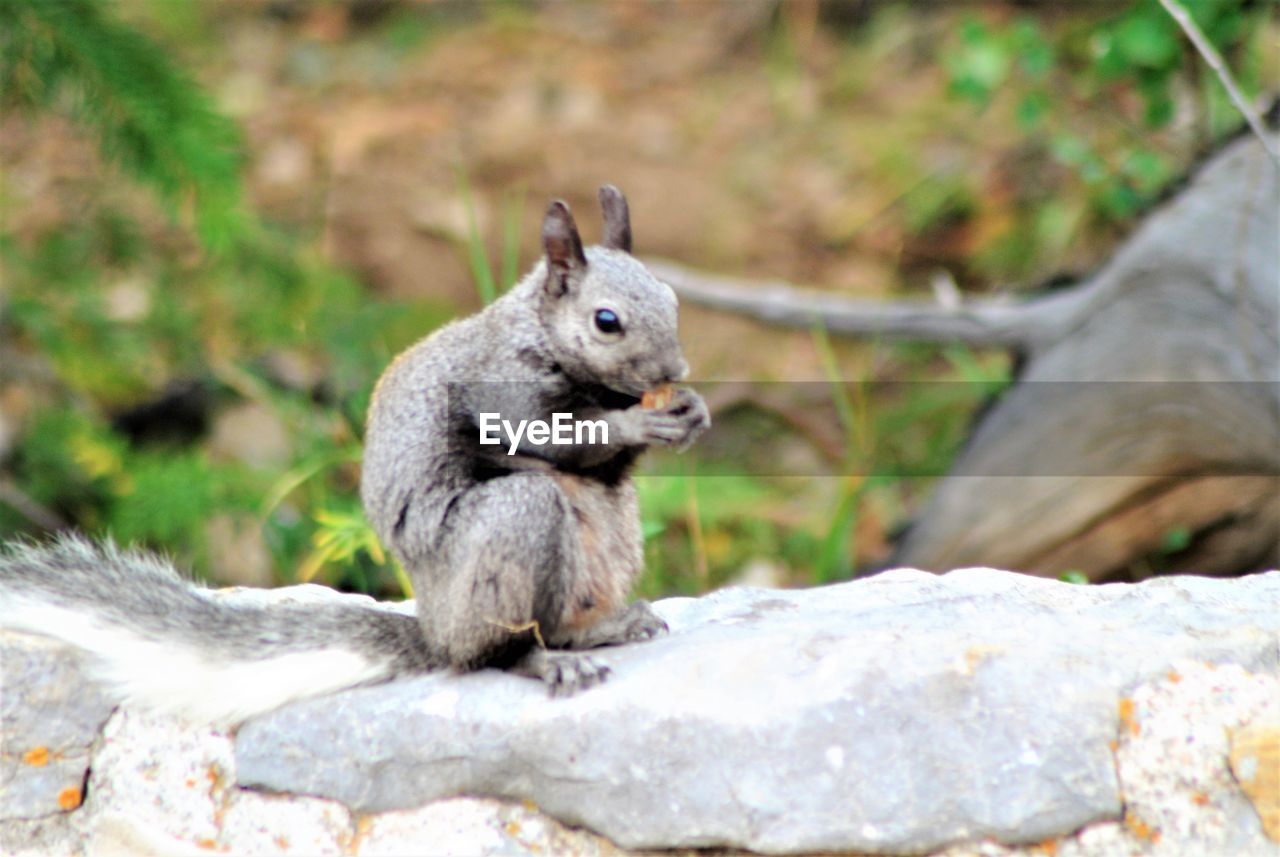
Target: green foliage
145, 113
164, 498
701, 528
71, 463
1050, 72
837, 552
74, 464
117, 309
345, 537
488, 287
985, 59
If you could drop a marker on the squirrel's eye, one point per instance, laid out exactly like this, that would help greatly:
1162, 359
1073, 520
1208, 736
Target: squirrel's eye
607, 321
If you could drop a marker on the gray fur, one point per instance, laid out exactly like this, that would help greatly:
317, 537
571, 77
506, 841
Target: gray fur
504, 550
617, 219
508, 553
144, 593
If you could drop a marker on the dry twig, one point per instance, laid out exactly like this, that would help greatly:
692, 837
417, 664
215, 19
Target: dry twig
1214, 60
31, 509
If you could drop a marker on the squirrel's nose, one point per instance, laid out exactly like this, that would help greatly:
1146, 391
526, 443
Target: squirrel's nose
677, 371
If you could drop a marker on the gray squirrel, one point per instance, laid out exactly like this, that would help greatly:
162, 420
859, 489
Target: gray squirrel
522, 553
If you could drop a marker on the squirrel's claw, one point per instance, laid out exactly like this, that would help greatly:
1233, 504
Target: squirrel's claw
564, 673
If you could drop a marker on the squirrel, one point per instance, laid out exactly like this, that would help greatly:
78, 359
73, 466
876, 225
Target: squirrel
522, 554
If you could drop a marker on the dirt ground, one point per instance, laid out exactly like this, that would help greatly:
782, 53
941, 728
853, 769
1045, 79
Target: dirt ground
750, 138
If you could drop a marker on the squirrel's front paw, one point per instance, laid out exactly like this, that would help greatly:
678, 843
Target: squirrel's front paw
679, 423
633, 624
640, 622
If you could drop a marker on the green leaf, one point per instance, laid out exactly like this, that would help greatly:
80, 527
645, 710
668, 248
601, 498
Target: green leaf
1148, 40
979, 64
1032, 109
512, 220
1147, 169
651, 528
1035, 53
1175, 540
481, 271
836, 554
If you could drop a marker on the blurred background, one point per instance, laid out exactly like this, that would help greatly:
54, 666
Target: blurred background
221, 220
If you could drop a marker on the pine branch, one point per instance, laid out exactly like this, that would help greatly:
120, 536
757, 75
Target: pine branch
148, 116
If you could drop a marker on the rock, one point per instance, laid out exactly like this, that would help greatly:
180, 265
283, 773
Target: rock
241, 557
50, 715
898, 714
474, 826
128, 299
284, 162
1255, 761
162, 787
760, 573
977, 713
1172, 759
250, 433
184, 799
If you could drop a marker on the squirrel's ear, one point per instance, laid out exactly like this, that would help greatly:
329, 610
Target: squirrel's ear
562, 245
617, 219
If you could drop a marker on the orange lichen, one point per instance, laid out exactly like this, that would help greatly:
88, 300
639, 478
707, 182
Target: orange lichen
1141, 829
36, 757
1173, 676
207, 844
69, 798
976, 655
360, 829
1126, 716
1200, 799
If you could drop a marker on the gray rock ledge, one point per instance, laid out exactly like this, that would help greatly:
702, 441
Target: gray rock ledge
50, 716
892, 715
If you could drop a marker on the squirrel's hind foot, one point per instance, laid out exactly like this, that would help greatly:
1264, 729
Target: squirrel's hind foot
564, 673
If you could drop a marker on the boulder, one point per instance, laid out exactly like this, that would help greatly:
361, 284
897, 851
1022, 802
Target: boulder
977, 712
896, 714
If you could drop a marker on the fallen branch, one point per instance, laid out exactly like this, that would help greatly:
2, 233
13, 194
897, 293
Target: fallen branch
992, 323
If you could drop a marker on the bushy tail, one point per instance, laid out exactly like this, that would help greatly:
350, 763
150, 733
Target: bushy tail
165, 643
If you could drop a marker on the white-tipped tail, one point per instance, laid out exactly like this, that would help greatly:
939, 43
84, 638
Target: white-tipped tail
160, 641
181, 678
